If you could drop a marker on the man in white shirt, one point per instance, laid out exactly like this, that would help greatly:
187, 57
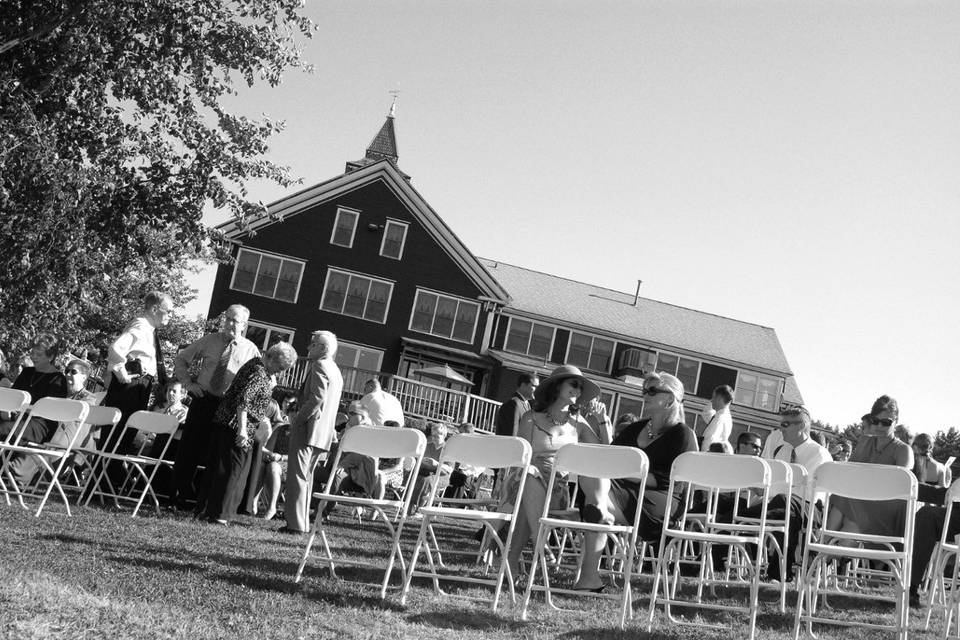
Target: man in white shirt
381, 406
719, 422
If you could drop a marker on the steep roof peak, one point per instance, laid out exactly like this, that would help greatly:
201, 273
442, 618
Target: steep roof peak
383, 146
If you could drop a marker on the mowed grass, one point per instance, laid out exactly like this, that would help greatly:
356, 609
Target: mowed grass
102, 574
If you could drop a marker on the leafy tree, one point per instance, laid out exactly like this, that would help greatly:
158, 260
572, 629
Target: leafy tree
946, 444
114, 139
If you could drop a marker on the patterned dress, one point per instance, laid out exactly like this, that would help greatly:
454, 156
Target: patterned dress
250, 390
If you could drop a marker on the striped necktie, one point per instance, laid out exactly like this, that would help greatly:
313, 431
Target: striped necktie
217, 386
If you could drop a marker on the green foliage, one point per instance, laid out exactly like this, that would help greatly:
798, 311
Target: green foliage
113, 142
946, 444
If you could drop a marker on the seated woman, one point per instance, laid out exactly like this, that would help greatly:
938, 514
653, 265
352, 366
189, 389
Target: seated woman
877, 445
431, 470
41, 380
275, 452
663, 436
927, 470
553, 422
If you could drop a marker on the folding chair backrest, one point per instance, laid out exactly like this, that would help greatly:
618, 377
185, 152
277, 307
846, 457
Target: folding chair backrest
60, 409
102, 416
602, 461
720, 471
13, 399
492, 452
153, 422
781, 478
863, 481
383, 442
800, 479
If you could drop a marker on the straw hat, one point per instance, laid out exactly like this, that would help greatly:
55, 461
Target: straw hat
589, 389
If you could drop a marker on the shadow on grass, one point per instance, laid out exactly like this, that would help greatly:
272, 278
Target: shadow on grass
461, 618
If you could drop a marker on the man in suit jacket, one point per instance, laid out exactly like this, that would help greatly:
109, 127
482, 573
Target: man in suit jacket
312, 429
510, 412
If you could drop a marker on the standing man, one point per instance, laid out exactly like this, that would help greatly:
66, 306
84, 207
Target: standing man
510, 412
718, 419
312, 429
381, 406
221, 355
134, 361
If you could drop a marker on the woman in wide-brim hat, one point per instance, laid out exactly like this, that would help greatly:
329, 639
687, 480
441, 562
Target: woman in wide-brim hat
554, 421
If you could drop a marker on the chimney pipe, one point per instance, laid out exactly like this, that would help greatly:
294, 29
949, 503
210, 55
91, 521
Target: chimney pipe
636, 297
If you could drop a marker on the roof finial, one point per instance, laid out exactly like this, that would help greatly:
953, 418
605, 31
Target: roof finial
393, 107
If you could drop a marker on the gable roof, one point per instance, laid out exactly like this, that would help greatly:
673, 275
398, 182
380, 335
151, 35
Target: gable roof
650, 322
386, 172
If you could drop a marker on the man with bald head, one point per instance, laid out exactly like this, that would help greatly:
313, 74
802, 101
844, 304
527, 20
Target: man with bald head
312, 429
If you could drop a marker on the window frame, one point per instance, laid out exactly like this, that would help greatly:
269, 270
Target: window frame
355, 274
253, 288
270, 329
353, 232
403, 240
362, 347
593, 339
458, 300
533, 323
679, 357
778, 398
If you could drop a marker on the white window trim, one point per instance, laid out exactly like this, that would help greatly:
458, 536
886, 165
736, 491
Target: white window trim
270, 329
592, 336
357, 345
353, 233
345, 272
506, 336
476, 320
296, 295
403, 241
781, 383
678, 356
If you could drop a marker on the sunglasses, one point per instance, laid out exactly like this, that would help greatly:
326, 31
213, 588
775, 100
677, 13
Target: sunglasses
752, 445
652, 391
73, 372
884, 421
790, 423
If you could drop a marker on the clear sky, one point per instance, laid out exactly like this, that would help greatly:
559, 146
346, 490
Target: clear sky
788, 163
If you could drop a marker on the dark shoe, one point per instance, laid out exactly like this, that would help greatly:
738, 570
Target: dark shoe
288, 530
599, 589
915, 602
592, 514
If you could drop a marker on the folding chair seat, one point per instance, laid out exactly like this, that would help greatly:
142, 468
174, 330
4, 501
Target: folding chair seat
491, 452
824, 547
141, 468
717, 474
85, 451
376, 442
946, 550
605, 462
51, 461
17, 403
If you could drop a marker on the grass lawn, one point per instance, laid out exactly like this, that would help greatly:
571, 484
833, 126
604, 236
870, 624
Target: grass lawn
102, 574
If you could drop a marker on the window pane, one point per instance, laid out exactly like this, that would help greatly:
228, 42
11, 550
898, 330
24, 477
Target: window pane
377, 303
423, 311
356, 296
465, 321
745, 396
601, 355
393, 239
278, 335
369, 360
336, 291
687, 373
343, 233
246, 271
288, 281
579, 353
767, 394
540, 342
267, 276
346, 355
630, 405
443, 322
747, 382
257, 335
519, 336
667, 364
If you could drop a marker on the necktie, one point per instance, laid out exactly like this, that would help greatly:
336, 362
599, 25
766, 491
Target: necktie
217, 385
161, 367
793, 453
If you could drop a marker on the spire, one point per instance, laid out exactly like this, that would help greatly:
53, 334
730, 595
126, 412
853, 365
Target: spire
384, 144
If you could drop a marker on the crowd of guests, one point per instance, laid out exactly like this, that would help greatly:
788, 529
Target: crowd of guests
246, 446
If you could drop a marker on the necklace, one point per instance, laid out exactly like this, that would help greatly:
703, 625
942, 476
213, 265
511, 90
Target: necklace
554, 421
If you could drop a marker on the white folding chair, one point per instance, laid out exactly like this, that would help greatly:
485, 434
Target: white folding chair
823, 546
945, 551
86, 450
491, 452
51, 461
717, 473
591, 461
15, 402
140, 467
377, 442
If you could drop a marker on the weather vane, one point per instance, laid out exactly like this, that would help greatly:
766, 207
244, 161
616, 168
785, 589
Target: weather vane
393, 107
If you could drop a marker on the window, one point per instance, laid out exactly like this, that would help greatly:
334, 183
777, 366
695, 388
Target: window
589, 352
529, 338
754, 390
344, 227
356, 295
443, 316
629, 404
685, 369
267, 275
394, 237
358, 356
266, 335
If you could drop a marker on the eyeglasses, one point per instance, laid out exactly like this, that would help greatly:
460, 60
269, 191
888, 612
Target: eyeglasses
884, 421
652, 391
752, 445
790, 423
73, 372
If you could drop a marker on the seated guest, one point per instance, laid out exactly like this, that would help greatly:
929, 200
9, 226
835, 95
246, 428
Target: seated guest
927, 530
927, 470
903, 433
275, 452
171, 404
430, 468
25, 467
381, 406
235, 421
390, 470
41, 380
841, 451
877, 445
719, 421
623, 422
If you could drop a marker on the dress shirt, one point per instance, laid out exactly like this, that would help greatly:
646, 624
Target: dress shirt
718, 429
136, 342
807, 454
382, 406
208, 349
